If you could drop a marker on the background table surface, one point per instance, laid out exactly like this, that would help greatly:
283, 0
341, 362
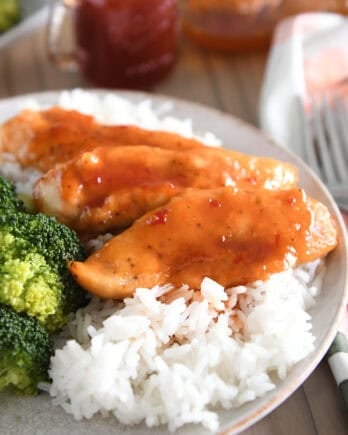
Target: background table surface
232, 84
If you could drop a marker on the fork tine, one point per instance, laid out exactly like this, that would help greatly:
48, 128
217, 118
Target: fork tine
316, 147
334, 138
342, 117
308, 139
326, 163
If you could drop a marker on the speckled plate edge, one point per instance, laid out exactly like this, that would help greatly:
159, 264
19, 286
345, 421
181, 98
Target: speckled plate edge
244, 137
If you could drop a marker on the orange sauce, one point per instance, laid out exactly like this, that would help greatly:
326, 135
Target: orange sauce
225, 42
46, 138
232, 236
110, 187
244, 25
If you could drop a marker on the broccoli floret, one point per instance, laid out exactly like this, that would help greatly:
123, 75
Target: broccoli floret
25, 351
9, 203
55, 241
34, 277
28, 283
9, 13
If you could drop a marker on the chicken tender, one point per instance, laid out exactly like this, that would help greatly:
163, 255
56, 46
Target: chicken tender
41, 139
232, 236
109, 187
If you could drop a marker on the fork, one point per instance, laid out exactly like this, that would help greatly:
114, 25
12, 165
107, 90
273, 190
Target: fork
325, 140
325, 149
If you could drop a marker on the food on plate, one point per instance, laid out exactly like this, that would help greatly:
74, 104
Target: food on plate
34, 277
10, 14
109, 187
25, 351
41, 139
232, 236
180, 361
205, 335
9, 202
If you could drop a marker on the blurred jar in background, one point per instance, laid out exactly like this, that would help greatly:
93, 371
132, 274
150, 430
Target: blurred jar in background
115, 43
128, 44
240, 25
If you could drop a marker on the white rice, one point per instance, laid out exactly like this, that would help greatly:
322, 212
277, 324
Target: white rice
24, 179
178, 363
114, 109
176, 356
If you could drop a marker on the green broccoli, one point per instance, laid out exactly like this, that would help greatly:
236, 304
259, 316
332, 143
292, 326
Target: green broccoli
25, 351
9, 13
34, 277
9, 202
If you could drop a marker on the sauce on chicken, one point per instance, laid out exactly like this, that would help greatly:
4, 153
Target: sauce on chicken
42, 139
196, 211
233, 236
109, 187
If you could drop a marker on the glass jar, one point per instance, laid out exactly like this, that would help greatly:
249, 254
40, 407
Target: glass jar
114, 43
239, 25
128, 44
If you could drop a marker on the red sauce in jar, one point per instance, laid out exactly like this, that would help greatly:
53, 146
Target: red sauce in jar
126, 44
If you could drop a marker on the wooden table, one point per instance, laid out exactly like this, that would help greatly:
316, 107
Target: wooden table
230, 83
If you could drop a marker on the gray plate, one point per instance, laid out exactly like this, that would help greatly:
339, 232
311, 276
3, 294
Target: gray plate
38, 416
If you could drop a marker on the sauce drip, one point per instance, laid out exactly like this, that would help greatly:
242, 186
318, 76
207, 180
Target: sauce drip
159, 217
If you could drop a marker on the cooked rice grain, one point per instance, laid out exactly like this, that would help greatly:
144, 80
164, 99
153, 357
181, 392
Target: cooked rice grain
178, 362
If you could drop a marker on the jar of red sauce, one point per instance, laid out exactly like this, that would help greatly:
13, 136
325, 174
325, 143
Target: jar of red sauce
122, 43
